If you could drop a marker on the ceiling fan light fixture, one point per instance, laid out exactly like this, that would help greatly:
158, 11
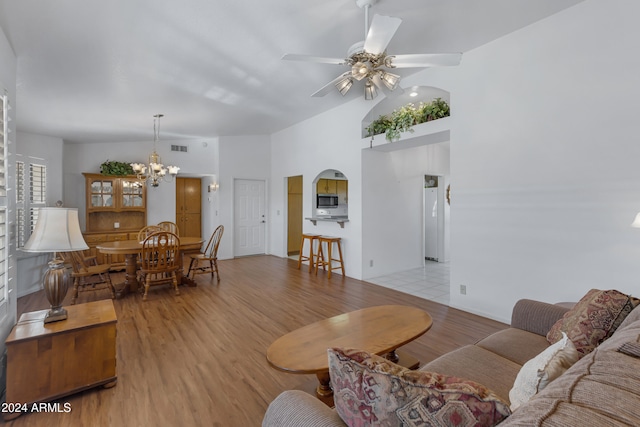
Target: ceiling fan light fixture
359, 70
344, 85
390, 80
370, 91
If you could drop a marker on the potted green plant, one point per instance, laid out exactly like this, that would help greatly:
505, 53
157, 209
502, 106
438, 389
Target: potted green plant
379, 126
116, 168
404, 118
436, 109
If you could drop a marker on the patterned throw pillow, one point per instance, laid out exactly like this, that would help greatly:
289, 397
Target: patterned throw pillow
538, 372
593, 319
370, 390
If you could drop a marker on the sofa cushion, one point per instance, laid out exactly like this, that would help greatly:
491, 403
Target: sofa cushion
601, 389
285, 411
515, 344
630, 348
538, 372
536, 316
370, 390
593, 319
479, 365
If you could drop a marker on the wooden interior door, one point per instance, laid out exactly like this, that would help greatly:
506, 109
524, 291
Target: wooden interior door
188, 207
294, 216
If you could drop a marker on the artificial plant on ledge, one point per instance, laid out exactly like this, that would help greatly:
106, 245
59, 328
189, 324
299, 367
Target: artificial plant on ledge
404, 118
116, 168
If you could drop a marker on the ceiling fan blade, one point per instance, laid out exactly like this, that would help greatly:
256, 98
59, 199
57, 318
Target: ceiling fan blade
311, 58
380, 33
426, 60
330, 86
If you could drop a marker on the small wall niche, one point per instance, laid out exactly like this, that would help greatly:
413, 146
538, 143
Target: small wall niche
414, 95
335, 183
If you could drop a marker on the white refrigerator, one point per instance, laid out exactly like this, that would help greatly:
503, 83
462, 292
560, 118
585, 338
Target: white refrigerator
431, 223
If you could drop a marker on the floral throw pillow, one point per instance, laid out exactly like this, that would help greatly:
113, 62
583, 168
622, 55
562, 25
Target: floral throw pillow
593, 319
370, 390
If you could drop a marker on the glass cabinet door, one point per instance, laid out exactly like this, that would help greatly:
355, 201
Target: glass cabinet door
102, 193
132, 193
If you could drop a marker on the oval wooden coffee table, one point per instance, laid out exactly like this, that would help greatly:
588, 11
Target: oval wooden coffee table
379, 330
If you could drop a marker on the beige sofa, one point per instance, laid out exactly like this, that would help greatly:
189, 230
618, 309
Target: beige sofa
601, 389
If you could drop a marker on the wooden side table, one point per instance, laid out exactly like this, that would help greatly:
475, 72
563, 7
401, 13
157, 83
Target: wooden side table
48, 361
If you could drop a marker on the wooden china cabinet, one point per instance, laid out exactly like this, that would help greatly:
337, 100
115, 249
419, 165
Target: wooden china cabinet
116, 209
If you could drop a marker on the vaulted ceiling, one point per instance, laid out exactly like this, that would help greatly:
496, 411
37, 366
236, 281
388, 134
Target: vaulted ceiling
97, 71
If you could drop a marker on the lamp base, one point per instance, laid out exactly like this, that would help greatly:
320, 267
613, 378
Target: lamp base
55, 314
56, 283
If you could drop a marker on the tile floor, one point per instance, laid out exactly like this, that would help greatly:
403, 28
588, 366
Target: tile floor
429, 282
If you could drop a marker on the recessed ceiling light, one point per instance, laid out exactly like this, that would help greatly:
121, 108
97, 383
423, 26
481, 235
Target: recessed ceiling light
413, 94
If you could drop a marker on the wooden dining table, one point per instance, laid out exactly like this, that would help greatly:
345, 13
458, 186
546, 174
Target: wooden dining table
131, 248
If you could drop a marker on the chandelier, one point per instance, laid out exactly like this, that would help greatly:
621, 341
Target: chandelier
155, 171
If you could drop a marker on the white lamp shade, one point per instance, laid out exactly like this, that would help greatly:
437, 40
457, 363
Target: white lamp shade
57, 230
636, 221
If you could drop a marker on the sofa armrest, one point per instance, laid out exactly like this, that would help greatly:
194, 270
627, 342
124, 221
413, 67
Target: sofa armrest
295, 408
536, 316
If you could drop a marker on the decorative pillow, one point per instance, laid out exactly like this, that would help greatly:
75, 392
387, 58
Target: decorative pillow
538, 372
593, 319
370, 390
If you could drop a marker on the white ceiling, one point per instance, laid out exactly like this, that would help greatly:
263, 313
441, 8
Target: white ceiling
98, 70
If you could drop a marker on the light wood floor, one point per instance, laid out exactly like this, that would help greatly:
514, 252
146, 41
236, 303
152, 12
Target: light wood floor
198, 359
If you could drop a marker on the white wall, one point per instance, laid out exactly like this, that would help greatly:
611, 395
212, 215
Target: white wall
544, 161
45, 150
543, 164
393, 206
242, 157
327, 141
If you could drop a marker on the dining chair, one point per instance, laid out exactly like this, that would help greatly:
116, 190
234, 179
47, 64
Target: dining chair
87, 272
159, 260
169, 226
147, 231
207, 261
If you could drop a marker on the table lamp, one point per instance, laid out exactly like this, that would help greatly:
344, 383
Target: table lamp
57, 230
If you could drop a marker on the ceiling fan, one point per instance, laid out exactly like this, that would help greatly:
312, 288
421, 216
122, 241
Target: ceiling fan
368, 59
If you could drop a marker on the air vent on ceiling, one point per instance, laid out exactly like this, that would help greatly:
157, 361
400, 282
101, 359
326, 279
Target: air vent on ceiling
181, 148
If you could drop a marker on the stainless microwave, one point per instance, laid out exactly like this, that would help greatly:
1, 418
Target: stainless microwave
327, 201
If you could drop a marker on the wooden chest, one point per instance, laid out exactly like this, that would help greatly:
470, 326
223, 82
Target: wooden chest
48, 361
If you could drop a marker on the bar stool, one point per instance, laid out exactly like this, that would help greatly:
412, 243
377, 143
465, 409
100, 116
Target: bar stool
312, 238
329, 262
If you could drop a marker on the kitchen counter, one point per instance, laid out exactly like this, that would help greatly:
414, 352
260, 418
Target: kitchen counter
338, 218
